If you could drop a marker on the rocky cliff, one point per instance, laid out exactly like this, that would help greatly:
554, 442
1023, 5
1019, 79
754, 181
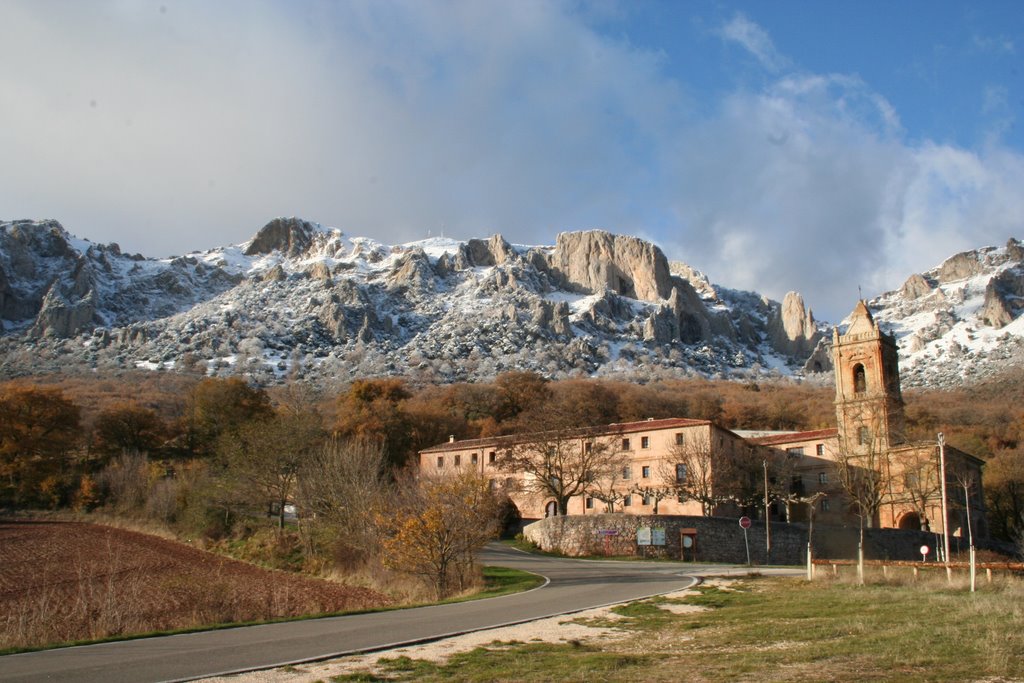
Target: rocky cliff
302, 300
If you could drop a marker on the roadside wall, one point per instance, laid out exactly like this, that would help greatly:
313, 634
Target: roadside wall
720, 539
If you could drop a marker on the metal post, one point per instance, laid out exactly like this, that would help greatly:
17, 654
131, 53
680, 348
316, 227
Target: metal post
767, 514
747, 545
945, 508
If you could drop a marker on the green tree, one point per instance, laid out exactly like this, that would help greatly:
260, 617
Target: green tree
262, 459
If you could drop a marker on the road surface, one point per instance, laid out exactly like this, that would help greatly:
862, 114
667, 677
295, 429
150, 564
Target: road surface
573, 585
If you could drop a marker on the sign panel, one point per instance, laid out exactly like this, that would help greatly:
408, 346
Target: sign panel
607, 532
745, 522
658, 535
643, 535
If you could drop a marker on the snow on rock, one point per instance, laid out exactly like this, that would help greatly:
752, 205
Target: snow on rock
302, 300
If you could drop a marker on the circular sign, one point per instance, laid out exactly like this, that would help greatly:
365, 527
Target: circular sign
687, 541
745, 522
925, 550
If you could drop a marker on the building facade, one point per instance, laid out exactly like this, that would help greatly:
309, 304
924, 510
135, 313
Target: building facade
864, 470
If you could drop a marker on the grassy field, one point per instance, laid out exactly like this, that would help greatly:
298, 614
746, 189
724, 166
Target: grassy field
762, 629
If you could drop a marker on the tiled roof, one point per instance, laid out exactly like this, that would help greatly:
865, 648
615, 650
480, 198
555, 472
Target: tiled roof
792, 437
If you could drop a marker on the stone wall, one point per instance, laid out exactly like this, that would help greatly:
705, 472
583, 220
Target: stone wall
720, 539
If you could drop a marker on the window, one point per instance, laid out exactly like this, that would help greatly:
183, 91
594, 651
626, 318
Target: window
590, 503
491, 457
458, 460
627, 472
910, 480
625, 444
860, 380
680, 473
440, 461
863, 436
822, 477
588, 447
819, 449
795, 451
680, 439
491, 484
510, 484
474, 458
825, 505
627, 501
647, 499
645, 442
645, 471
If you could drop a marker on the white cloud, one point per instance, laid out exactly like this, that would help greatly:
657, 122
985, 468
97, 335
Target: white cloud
190, 128
753, 39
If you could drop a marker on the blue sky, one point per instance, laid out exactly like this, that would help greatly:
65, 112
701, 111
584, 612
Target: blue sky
809, 146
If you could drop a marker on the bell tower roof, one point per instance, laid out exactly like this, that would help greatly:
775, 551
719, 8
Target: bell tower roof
861, 321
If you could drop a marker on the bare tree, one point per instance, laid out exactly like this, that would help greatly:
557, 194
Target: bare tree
608, 483
559, 463
342, 485
921, 485
695, 471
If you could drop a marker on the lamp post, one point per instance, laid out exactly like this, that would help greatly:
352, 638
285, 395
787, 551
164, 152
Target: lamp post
945, 511
767, 524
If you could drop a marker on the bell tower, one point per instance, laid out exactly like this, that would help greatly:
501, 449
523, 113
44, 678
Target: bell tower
869, 405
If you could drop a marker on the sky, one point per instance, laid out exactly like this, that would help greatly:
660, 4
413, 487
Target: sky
819, 147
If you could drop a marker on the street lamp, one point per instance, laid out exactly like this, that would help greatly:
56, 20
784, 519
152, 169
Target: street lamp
945, 512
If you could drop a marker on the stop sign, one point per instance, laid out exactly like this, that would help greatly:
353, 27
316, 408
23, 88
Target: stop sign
745, 522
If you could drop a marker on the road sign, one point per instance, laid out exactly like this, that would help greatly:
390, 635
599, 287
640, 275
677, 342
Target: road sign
924, 553
745, 522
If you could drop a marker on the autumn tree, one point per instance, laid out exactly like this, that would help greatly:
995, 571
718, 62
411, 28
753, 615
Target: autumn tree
375, 409
437, 526
39, 428
128, 427
519, 392
216, 407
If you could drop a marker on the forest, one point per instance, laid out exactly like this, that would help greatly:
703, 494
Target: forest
221, 459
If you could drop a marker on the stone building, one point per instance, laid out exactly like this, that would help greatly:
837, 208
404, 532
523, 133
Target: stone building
682, 466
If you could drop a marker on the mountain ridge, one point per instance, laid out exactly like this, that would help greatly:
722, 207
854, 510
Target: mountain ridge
305, 301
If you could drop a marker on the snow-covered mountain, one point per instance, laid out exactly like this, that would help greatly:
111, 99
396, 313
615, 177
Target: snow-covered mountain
302, 300
961, 320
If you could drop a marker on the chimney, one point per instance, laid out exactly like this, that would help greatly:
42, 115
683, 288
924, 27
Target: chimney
451, 438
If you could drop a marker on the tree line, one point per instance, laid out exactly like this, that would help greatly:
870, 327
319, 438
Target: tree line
211, 454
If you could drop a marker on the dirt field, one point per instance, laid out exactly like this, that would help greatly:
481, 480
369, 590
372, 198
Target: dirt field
67, 581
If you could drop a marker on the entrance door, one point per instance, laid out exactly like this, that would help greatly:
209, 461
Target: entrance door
551, 509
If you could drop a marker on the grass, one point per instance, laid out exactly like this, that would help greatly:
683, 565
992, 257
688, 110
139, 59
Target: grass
771, 629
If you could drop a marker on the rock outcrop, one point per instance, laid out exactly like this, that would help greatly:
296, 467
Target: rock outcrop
290, 236
915, 287
595, 260
792, 330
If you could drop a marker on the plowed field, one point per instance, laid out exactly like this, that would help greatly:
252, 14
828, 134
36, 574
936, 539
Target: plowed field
67, 581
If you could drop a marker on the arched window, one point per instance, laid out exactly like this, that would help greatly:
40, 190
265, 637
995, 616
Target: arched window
860, 380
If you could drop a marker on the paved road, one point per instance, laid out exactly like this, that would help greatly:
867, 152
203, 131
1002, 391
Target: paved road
573, 585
